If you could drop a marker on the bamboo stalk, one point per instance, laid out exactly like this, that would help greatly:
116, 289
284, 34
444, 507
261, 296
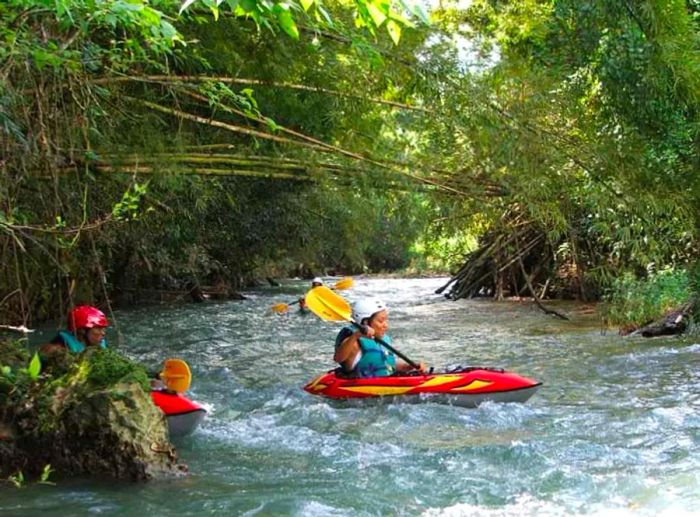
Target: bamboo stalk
161, 79
252, 132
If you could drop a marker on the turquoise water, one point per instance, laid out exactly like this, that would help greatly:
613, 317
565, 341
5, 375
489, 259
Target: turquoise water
614, 430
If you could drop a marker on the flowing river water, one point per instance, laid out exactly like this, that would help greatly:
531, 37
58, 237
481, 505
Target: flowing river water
615, 429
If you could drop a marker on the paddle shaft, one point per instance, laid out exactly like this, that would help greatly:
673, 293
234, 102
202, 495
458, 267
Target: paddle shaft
390, 348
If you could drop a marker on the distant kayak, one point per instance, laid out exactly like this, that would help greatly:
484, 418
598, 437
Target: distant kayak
183, 414
461, 386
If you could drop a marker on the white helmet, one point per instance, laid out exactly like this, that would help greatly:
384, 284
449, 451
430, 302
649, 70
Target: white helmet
366, 308
317, 280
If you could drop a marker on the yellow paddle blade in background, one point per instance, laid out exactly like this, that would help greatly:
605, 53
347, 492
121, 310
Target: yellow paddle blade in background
176, 375
327, 305
280, 308
343, 283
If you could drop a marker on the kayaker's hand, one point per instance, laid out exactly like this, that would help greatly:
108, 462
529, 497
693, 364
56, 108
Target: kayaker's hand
422, 368
367, 331
157, 384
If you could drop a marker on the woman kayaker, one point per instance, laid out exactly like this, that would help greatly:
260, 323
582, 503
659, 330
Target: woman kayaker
357, 350
87, 326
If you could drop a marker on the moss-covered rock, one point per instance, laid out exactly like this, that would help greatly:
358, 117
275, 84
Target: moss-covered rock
87, 414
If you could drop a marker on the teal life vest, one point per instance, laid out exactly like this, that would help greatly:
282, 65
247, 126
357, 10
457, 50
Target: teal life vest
375, 361
75, 346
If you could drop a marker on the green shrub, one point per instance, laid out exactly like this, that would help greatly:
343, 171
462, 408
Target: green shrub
638, 301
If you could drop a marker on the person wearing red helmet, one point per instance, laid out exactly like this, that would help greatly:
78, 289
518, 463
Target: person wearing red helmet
86, 327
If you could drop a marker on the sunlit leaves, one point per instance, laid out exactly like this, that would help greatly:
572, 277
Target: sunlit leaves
377, 12
369, 14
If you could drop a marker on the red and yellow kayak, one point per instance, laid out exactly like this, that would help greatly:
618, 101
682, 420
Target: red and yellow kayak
466, 387
183, 415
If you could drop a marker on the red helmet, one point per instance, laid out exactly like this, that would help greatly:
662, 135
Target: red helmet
85, 316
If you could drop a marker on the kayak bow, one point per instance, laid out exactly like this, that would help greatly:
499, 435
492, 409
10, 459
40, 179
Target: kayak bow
183, 414
466, 387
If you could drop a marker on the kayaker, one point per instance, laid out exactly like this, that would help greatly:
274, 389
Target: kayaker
356, 349
87, 326
302, 302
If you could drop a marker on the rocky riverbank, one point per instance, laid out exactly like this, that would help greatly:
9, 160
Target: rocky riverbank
84, 415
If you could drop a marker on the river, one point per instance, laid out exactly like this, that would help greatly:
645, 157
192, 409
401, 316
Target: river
614, 429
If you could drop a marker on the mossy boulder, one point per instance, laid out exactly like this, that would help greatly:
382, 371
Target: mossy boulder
87, 414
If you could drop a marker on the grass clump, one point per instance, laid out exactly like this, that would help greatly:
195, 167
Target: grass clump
107, 368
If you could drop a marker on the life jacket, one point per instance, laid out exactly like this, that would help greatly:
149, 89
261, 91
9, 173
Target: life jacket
375, 361
75, 346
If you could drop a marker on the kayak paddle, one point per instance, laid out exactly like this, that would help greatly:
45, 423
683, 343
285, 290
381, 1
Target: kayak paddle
176, 375
344, 283
330, 306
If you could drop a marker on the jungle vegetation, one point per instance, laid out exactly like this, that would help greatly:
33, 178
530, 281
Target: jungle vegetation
156, 144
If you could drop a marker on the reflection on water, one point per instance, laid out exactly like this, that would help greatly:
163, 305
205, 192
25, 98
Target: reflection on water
615, 427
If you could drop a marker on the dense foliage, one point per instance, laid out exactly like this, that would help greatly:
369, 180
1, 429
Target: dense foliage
123, 174
163, 144
588, 120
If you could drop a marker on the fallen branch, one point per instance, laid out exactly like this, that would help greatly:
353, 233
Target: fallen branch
21, 328
534, 294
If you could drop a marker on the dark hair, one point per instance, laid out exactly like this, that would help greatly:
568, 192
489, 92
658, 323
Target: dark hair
369, 320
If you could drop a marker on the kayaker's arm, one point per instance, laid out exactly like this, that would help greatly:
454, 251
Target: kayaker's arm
52, 348
346, 353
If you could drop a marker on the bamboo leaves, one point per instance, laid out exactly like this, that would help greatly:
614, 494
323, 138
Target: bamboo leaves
370, 14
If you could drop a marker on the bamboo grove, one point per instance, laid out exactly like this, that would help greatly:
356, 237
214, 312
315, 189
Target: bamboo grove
152, 145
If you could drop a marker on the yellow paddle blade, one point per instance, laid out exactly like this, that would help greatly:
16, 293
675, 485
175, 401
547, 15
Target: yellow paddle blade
343, 283
328, 305
280, 308
176, 375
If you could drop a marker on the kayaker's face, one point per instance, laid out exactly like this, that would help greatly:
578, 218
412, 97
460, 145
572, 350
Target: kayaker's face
95, 335
380, 323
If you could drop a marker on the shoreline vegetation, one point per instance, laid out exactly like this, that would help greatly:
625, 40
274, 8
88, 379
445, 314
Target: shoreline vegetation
170, 150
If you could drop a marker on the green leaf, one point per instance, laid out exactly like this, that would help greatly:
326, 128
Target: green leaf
168, 30
34, 367
185, 5
421, 14
324, 15
416, 10
306, 4
394, 30
286, 20
45, 474
248, 6
378, 16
